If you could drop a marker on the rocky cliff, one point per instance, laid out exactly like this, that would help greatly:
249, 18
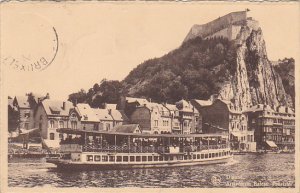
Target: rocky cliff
237, 70
255, 80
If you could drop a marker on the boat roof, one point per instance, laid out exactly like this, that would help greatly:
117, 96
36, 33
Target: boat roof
78, 132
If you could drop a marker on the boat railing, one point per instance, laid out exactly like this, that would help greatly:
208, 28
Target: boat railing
148, 149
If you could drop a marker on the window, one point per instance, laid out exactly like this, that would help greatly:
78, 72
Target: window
198, 156
138, 158
119, 158
132, 158
107, 126
206, 155
155, 122
194, 156
73, 124
155, 158
96, 127
89, 158
104, 158
202, 156
61, 136
150, 158
97, 158
111, 158
125, 158
144, 158
61, 124
51, 124
27, 115
51, 136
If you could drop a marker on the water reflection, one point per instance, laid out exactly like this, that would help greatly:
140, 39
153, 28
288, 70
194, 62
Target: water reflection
267, 170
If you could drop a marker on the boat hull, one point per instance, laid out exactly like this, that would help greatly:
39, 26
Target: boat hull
72, 166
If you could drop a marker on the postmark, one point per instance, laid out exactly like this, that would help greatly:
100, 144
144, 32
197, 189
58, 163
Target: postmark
35, 44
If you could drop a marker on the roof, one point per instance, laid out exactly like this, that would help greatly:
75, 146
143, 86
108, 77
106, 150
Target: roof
126, 128
185, 106
141, 101
203, 102
103, 115
171, 107
55, 107
230, 106
284, 109
259, 107
111, 106
118, 115
86, 112
160, 107
22, 102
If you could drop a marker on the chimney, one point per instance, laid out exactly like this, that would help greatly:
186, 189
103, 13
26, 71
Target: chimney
64, 105
109, 111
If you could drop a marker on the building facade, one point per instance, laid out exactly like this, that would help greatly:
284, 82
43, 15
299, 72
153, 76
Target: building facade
273, 127
152, 118
49, 116
222, 116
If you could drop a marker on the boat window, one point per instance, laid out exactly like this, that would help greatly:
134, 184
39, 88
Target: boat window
111, 158
217, 155
138, 158
161, 158
185, 157
220, 154
104, 158
206, 155
89, 158
125, 158
155, 158
150, 158
209, 155
202, 156
97, 158
132, 158
194, 156
171, 157
213, 154
144, 158
198, 156
119, 158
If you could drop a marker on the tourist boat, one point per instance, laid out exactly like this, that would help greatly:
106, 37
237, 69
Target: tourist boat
116, 150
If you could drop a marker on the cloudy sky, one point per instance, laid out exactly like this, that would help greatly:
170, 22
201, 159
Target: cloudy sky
107, 40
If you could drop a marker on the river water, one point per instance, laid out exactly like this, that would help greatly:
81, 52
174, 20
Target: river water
251, 170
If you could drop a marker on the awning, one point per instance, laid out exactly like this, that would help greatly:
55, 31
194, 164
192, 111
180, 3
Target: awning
236, 134
271, 143
26, 131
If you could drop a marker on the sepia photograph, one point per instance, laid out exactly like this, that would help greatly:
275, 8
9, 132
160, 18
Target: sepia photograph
146, 95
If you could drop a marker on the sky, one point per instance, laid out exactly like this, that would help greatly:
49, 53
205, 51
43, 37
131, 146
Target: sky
97, 40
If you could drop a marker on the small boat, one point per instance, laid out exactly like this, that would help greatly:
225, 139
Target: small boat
102, 150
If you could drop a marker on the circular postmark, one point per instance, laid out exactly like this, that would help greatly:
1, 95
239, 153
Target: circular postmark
29, 43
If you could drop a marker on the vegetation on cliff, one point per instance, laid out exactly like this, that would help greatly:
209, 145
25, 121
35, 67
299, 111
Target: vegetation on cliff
194, 70
286, 70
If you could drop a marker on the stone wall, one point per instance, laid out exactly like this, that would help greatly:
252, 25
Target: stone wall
217, 25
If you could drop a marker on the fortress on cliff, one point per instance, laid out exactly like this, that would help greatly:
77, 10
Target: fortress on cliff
227, 26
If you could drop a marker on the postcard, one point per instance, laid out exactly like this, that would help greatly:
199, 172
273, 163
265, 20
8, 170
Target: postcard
149, 96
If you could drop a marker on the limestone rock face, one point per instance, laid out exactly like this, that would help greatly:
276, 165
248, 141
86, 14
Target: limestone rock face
255, 80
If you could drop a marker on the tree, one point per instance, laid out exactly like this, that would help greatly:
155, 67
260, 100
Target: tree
78, 97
